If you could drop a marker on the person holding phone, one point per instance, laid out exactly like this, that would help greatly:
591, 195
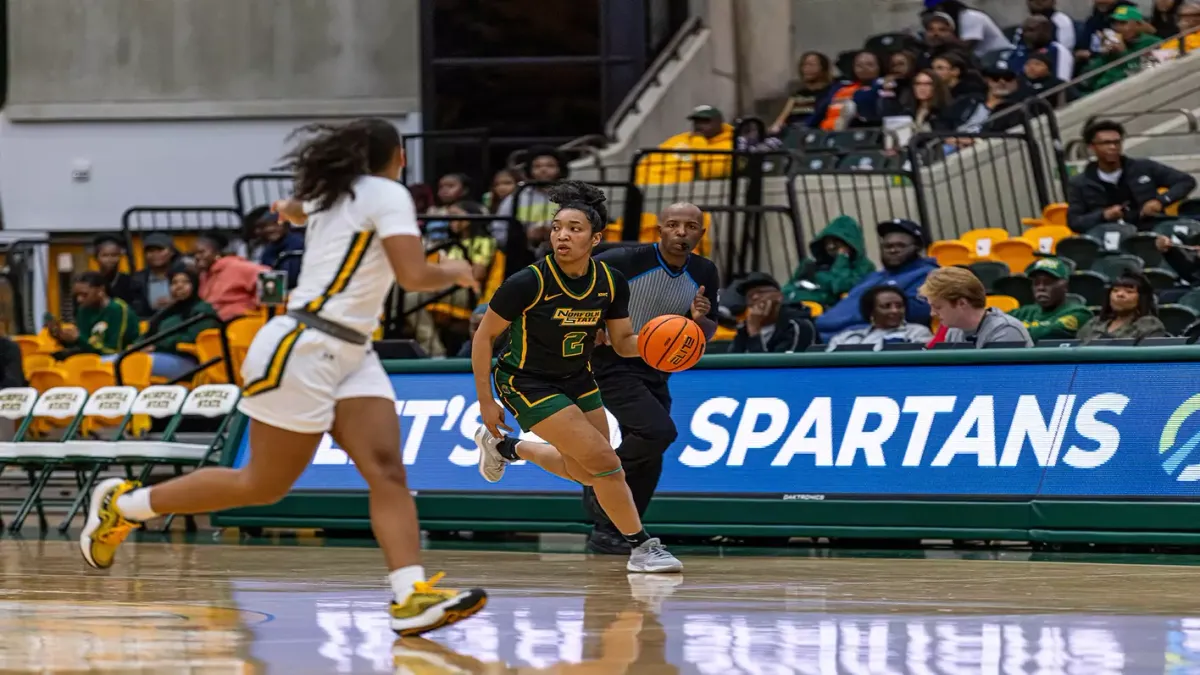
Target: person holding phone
103, 325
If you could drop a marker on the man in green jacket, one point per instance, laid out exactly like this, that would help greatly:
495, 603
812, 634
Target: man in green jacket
838, 264
103, 325
1052, 316
1130, 33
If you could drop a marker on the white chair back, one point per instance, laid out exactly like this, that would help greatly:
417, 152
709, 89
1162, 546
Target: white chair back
60, 402
110, 402
160, 400
17, 402
212, 400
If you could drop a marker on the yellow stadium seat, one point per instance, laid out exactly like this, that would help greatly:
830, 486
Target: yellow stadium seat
981, 241
136, 368
814, 308
29, 344
241, 331
1045, 238
1055, 214
92, 378
1004, 303
951, 252
208, 347
75, 364
1016, 253
43, 379
648, 233
36, 361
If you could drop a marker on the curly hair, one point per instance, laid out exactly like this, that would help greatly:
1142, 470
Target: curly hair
333, 156
581, 196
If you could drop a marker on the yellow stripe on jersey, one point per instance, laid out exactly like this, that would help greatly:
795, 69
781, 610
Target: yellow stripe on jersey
591, 269
524, 328
354, 257
612, 288
273, 374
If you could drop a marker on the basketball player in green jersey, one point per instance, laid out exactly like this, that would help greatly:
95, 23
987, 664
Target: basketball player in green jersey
554, 308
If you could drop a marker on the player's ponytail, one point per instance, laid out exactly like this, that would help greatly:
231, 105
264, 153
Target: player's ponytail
583, 197
332, 156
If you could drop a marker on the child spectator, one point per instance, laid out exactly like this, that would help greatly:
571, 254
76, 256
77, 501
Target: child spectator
278, 239
108, 252
452, 188
1038, 75
885, 307
153, 282
838, 263
958, 300
770, 326
1129, 33
1051, 315
816, 77
167, 361
504, 183
227, 282
1130, 311
103, 325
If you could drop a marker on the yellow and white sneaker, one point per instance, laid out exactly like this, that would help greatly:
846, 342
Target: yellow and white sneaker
105, 528
429, 608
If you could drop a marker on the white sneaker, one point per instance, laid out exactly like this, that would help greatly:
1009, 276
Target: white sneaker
491, 462
654, 558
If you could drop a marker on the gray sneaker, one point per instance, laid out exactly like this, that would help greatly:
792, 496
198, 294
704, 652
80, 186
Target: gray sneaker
653, 557
491, 462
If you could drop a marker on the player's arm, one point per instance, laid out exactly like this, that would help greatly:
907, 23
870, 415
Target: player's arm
290, 210
391, 209
617, 321
514, 297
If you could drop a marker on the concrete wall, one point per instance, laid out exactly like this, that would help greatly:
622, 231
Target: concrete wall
185, 163
86, 59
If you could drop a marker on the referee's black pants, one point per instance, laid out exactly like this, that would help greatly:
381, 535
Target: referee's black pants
641, 401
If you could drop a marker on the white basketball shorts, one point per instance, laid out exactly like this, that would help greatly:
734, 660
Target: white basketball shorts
295, 375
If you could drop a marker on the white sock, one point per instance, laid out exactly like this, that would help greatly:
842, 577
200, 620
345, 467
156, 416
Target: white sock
402, 581
136, 505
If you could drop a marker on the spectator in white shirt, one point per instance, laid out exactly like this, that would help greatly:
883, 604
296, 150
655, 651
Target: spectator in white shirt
976, 29
1064, 26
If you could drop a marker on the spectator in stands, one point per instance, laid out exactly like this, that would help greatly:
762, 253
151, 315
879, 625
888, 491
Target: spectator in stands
816, 77
958, 300
103, 325
1037, 35
963, 81
1184, 258
167, 361
422, 196
153, 282
975, 29
12, 363
709, 132
543, 165
452, 188
227, 282
469, 241
1038, 75
504, 183
1129, 34
927, 103
1064, 25
108, 252
1164, 18
1130, 311
1004, 92
901, 250
1188, 19
1113, 187
282, 246
1091, 42
885, 307
1051, 315
771, 325
839, 109
839, 262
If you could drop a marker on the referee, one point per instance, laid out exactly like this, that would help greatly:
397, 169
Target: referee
664, 278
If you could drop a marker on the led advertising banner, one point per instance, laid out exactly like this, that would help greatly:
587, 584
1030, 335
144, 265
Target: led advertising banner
1009, 431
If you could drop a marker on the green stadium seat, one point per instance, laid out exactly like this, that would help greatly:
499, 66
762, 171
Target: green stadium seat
1017, 286
1177, 318
1082, 251
1092, 286
1161, 278
988, 272
1113, 266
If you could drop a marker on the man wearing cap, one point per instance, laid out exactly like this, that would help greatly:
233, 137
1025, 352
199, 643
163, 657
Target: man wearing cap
1052, 315
153, 281
709, 132
974, 28
1002, 93
1090, 41
770, 326
1130, 33
901, 250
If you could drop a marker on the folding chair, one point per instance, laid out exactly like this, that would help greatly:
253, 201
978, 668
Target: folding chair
95, 455
42, 457
15, 405
211, 401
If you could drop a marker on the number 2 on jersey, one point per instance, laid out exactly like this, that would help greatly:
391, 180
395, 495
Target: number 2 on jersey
573, 343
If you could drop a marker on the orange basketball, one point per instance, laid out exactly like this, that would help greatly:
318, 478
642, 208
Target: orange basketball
671, 343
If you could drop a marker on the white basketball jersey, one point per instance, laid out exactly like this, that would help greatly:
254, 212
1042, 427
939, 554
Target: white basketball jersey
344, 274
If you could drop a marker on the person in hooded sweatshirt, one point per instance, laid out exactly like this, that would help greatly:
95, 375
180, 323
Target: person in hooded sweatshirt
167, 361
839, 262
902, 246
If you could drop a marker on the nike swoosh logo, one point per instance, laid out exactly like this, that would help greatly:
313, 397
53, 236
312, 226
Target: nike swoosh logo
548, 298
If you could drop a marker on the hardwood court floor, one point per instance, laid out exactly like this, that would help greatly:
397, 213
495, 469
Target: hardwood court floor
174, 607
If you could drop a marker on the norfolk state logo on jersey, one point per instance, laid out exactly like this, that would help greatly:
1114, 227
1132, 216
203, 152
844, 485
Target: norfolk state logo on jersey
577, 317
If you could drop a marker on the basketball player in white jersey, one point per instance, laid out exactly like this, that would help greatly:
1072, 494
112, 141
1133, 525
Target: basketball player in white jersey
313, 370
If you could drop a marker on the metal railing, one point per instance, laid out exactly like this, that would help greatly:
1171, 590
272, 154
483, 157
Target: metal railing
262, 189
652, 76
424, 145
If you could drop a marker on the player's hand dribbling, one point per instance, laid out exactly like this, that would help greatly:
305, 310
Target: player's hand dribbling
462, 272
491, 415
700, 305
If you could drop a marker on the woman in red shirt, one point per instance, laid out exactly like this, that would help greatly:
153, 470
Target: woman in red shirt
227, 282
